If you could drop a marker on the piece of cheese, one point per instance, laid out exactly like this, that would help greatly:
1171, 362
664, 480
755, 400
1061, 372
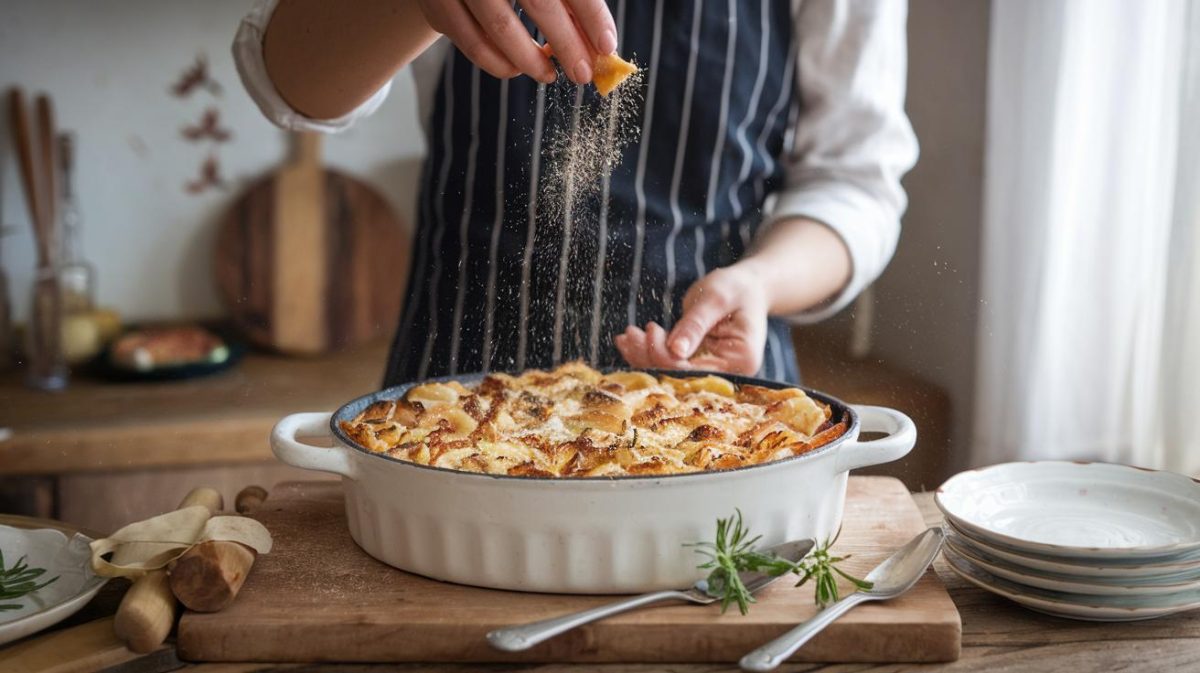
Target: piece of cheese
610, 71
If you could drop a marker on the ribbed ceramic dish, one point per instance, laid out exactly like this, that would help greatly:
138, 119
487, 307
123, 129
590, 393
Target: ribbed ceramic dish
579, 535
1078, 510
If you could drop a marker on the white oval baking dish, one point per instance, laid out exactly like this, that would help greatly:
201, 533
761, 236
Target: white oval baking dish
579, 535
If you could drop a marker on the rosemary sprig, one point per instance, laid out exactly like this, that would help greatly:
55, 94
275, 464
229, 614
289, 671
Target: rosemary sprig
733, 552
19, 581
819, 567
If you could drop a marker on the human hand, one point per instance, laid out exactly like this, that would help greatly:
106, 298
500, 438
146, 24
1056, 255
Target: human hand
489, 33
723, 327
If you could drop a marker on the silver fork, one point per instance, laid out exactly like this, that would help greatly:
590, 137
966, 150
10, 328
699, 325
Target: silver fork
525, 636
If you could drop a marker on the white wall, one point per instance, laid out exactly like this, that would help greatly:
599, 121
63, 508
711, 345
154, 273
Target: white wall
108, 66
927, 301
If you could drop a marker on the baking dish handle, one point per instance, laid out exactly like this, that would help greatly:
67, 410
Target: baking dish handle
901, 437
289, 449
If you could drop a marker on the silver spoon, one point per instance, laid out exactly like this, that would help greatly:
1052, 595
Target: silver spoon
525, 636
897, 574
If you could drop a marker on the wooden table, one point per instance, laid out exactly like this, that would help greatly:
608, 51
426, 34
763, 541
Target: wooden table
998, 637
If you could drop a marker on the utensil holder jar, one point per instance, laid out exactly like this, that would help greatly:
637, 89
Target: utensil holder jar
46, 364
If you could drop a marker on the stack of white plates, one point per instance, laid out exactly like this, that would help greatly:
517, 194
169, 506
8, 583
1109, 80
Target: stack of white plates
1082, 540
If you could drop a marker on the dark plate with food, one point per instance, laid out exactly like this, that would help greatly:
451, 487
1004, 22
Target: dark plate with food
167, 353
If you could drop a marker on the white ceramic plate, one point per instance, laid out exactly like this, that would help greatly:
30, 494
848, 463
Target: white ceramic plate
1091, 569
67, 558
1068, 584
1077, 509
1073, 606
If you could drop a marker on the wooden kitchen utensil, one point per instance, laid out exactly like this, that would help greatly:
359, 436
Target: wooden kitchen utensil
318, 597
147, 612
46, 366
48, 163
207, 577
310, 260
249, 498
31, 176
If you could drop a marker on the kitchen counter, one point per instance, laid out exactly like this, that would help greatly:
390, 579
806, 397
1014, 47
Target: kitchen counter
997, 636
221, 419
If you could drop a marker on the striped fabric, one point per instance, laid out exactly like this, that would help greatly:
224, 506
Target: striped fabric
499, 283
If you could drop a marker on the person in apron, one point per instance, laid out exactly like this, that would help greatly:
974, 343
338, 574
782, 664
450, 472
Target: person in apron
762, 189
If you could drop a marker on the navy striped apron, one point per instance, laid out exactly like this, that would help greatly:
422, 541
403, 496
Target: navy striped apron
495, 285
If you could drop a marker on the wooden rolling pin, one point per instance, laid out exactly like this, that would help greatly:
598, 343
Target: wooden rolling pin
147, 613
208, 576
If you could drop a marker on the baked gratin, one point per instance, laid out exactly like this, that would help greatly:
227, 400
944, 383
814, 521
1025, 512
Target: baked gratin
577, 422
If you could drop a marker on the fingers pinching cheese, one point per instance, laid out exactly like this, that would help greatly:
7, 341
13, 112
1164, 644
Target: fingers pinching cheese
609, 71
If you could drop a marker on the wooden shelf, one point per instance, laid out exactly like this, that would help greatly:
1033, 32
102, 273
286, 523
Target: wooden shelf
222, 419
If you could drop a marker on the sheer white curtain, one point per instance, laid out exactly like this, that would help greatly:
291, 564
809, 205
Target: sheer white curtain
1089, 342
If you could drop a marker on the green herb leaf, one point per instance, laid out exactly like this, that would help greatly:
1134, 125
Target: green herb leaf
732, 552
19, 580
820, 566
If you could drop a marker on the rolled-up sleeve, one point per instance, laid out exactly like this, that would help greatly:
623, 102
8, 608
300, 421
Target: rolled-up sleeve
852, 140
251, 67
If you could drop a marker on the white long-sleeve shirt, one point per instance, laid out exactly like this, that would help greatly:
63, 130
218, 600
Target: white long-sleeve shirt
851, 140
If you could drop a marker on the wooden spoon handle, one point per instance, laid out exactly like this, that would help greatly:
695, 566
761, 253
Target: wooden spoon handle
306, 149
22, 135
48, 162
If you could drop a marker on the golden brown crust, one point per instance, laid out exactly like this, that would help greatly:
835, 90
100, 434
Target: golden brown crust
576, 422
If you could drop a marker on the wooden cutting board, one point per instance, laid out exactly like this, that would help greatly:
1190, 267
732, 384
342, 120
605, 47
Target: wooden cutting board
318, 597
310, 260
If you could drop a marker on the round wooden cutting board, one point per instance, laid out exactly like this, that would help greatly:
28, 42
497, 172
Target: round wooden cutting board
310, 260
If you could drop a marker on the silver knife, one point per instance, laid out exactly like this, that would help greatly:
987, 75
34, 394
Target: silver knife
525, 636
